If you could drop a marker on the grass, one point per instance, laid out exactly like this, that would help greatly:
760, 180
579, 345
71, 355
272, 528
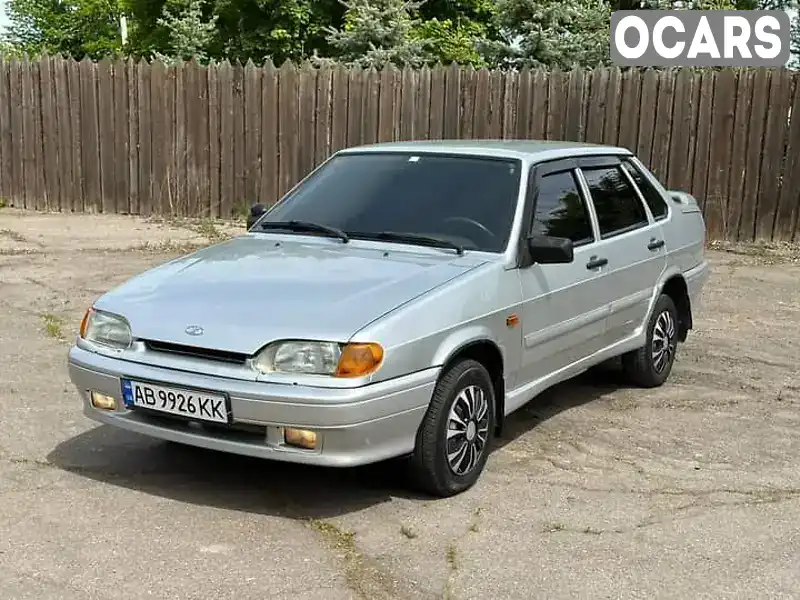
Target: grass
52, 326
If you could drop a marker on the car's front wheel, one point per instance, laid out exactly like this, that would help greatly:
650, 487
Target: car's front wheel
454, 439
650, 365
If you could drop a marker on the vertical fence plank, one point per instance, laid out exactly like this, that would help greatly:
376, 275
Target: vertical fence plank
452, 101
524, 104
288, 122
496, 88
680, 122
480, 123
408, 104
613, 106
168, 185
105, 107
252, 132
322, 117
40, 184
373, 97
121, 150
739, 151
354, 106
755, 145
239, 158
5, 134
575, 126
90, 143
180, 194
213, 143
539, 87
17, 188
773, 153
339, 107
307, 91
159, 156
132, 75
50, 128
270, 172
649, 100
630, 89
201, 147
383, 107
557, 102
716, 205
596, 114
437, 103
663, 127
145, 140
703, 140
422, 121
789, 199
226, 181
509, 111
26, 148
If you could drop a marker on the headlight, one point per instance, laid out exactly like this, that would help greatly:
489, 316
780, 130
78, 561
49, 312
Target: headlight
106, 329
319, 358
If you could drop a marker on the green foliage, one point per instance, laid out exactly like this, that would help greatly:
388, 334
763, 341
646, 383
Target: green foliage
190, 33
381, 32
76, 28
550, 33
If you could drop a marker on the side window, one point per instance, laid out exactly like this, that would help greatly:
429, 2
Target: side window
618, 206
651, 195
560, 210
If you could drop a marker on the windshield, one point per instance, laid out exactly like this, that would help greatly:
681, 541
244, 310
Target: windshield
468, 201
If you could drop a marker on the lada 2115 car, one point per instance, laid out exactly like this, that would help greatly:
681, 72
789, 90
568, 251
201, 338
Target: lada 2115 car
402, 300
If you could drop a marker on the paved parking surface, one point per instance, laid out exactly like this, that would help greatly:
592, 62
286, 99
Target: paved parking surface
595, 491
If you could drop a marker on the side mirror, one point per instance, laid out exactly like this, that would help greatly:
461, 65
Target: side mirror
255, 214
547, 250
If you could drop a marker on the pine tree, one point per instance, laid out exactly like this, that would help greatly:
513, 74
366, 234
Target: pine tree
380, 32
189, 32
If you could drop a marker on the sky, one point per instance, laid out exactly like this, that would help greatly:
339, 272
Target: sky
3, 18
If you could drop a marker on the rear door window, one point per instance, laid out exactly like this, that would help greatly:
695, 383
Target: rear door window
651, 195
617, 204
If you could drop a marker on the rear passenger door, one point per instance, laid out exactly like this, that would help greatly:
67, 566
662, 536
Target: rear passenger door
631, 241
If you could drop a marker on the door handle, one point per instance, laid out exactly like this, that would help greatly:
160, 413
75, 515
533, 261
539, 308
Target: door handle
655, 244
595, 262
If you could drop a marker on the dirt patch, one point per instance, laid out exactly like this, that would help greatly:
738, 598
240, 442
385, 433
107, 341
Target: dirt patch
596, 489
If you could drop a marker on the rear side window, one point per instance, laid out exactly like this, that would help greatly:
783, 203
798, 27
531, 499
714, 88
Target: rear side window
560, 210
618, 206
654, 200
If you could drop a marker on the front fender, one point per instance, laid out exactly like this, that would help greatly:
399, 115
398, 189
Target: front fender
454, 342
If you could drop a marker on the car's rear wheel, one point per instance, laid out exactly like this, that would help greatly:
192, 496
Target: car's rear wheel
650, 365
455, 437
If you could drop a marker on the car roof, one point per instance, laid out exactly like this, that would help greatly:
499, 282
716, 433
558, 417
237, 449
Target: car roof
532, 150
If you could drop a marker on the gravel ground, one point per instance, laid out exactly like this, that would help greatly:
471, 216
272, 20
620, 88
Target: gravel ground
596, 490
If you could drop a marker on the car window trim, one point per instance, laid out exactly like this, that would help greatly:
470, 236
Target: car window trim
641, 193
616, 232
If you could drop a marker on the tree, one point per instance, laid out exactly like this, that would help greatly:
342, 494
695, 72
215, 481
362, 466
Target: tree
381, 32
550, 33
74, 28
190, 33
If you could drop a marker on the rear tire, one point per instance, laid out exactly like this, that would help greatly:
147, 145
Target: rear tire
651, 365
455, 437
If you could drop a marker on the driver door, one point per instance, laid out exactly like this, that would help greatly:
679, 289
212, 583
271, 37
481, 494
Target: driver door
563, 317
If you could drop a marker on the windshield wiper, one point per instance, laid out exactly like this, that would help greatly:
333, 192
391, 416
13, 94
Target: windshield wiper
306, 226
413, 238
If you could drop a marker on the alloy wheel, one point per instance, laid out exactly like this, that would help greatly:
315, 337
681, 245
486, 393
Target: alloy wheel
664, 342
467, 429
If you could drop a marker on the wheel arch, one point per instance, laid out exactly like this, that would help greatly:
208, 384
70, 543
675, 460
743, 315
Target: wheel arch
675, 286
485, 350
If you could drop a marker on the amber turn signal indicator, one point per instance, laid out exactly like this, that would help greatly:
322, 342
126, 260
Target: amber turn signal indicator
512, 320
357, 360
84, 323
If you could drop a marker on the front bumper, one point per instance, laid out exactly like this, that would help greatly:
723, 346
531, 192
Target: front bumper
355, 426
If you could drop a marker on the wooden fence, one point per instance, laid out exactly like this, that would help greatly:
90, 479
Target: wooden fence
143, 138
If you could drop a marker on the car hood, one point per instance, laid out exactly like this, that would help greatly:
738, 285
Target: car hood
257, 288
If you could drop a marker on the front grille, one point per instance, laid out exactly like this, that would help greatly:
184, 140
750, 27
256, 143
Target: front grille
196, 352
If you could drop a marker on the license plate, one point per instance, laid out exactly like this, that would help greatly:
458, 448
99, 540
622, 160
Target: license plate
192, 404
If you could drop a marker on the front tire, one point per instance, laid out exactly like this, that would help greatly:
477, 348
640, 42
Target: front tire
650, 365
455, 437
